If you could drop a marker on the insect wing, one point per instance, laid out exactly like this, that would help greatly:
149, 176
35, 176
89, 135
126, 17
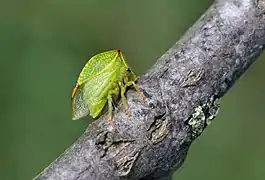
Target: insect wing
96, 64
79, 106
89, 94
98, 86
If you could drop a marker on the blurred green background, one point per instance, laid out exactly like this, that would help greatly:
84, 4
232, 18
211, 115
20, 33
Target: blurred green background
44, 45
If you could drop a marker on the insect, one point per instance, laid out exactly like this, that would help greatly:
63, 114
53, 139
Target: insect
104, 78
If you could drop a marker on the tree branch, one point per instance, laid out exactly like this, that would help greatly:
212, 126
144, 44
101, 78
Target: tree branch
182, 97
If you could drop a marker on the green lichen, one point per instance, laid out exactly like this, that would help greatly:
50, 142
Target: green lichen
203, 116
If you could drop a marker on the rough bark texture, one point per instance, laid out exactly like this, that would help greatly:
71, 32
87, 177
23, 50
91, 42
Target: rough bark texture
182, 97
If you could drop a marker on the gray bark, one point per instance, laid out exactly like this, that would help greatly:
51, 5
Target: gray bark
182, 94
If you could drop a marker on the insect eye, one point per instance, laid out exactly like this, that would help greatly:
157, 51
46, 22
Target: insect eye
128, 70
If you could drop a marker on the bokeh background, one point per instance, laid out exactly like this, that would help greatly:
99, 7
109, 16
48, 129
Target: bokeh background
44, 45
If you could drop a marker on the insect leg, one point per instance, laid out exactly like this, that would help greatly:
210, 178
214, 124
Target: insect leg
129, 83
138, 90
123, 98
110, 107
